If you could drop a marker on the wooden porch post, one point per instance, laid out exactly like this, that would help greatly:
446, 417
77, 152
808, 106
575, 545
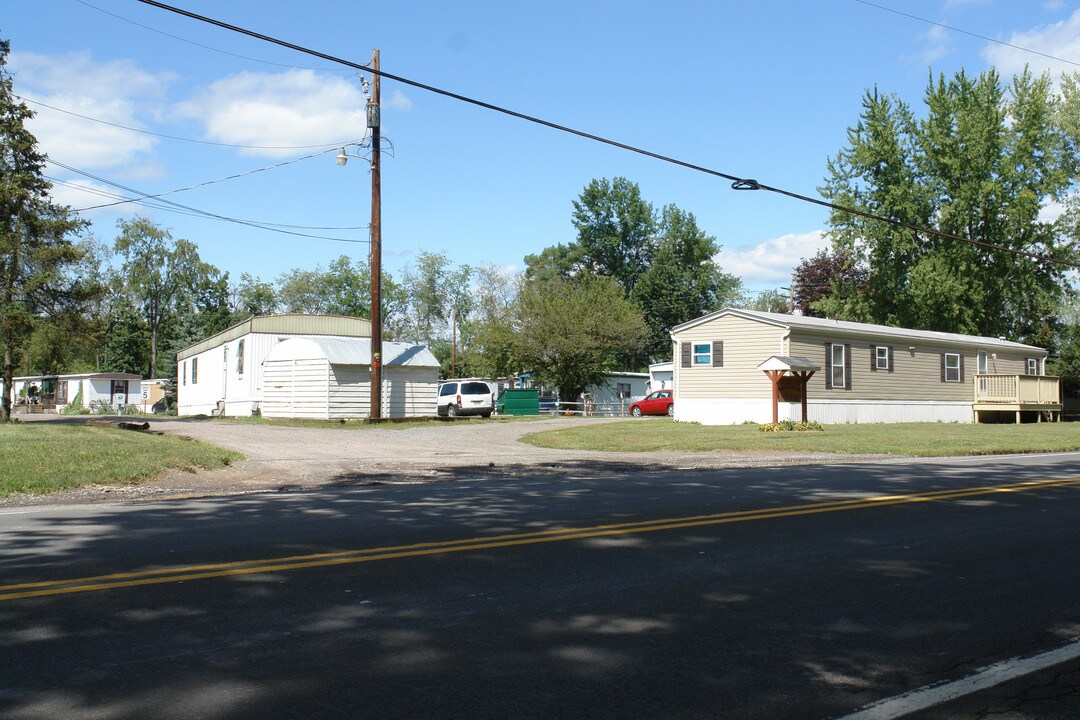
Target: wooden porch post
804, 378
774, 376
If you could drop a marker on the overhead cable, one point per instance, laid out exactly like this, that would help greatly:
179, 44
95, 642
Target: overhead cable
737, 183
188, 210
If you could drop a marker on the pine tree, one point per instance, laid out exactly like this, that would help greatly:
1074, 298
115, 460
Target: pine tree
35, 250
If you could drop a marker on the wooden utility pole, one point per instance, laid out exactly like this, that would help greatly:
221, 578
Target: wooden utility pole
373, 122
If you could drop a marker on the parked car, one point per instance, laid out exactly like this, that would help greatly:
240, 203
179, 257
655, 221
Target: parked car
465, 396
660, 402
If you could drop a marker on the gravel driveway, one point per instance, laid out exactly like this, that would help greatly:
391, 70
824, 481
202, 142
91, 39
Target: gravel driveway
280, 458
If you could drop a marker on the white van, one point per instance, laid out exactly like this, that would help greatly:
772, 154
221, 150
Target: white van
466, 396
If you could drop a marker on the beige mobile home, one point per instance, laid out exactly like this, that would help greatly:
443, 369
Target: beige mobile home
729, 364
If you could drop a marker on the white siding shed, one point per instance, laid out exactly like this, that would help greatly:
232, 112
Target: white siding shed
330, 379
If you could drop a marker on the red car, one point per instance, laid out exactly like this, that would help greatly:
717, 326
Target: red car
660, 402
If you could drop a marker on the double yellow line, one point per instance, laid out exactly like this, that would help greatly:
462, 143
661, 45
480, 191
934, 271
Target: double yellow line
349, 557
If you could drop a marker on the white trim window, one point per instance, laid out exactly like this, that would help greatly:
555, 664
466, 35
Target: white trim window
952, 367
702, 354
982, 362
881, 357
839, 379
240, 357
1033, 366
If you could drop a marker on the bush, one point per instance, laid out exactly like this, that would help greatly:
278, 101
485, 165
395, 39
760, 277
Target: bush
791, 426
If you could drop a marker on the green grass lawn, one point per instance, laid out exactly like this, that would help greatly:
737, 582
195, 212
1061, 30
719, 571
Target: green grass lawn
48, 457
918, 439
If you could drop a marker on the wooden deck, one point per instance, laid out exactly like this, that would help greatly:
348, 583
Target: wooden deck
1039, 394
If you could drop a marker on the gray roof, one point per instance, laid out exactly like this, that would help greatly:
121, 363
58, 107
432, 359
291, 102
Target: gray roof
786, 362
855, 328
357, 351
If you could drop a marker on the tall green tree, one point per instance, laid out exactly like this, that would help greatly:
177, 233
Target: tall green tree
344, 288
616, 230
572, 332
253, 296
490, 349
438, 293
158, 271
980, 164
682, 282
36, 250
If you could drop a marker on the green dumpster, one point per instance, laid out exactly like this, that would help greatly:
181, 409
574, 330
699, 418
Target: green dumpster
519, 401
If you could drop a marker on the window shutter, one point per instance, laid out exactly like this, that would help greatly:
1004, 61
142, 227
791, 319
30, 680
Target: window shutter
942, 367
828, 366
685, 354
961, 367
890, 359
847, 367
718, 353
873, 358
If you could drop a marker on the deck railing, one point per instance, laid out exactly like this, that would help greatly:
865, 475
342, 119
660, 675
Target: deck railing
1017, 389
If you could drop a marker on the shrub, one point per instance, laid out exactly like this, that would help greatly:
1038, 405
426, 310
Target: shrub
791, 426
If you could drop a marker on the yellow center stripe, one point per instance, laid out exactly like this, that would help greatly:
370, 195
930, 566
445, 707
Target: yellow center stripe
347, 557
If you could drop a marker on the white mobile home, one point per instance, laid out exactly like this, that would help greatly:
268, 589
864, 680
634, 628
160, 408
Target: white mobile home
330, 378
618, 387
223, 374
53, 393
737, 365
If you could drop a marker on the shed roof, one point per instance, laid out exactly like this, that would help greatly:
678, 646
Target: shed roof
854, 328
352, 351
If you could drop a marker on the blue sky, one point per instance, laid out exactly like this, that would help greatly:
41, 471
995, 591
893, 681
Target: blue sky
764, 90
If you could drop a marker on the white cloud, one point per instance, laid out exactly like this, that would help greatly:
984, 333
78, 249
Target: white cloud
1053, 5
1061, 39
399, 101
1051, 211
772, 261
115, 91
284, 110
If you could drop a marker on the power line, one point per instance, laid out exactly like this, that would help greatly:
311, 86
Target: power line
213, 182
187, 210
968, 32
182, 139
737, 183
192, 42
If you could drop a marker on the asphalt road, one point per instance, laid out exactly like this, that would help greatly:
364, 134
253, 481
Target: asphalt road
799, 592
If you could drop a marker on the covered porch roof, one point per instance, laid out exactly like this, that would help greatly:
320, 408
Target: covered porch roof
791, 364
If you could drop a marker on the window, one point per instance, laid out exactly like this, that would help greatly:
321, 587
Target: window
838, 376
702, 354
1032, 366
951, 368
183, 373
194, 370
881, 358
240, 357
623, 389
448, 389
982, 362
